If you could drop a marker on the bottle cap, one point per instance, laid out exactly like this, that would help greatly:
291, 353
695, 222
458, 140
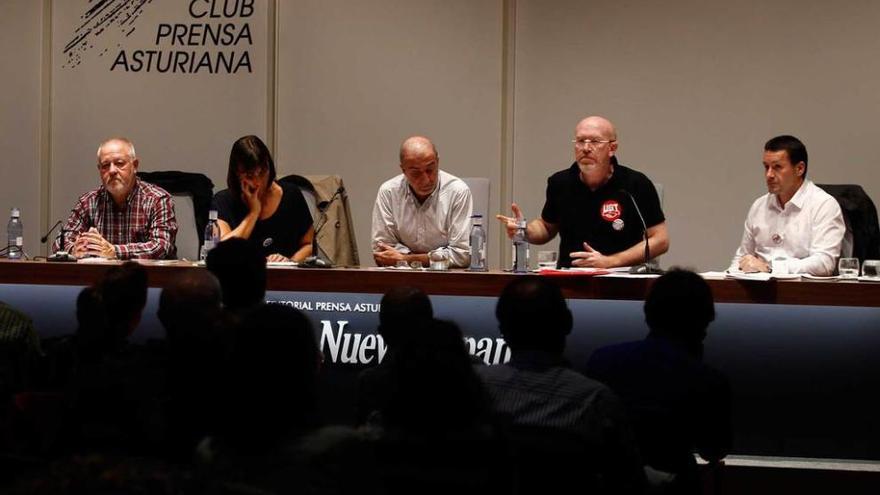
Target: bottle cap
212, 215
16, 213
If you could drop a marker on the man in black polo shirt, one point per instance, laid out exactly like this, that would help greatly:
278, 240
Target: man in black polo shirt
590, 205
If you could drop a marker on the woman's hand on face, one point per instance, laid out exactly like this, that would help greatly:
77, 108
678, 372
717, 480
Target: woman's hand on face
250, 193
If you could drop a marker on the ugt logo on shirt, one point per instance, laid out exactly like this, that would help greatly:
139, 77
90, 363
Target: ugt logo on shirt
611, 210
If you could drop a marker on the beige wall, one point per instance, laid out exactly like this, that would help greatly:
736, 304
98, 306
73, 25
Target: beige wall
695, 87
356, 78
21, 29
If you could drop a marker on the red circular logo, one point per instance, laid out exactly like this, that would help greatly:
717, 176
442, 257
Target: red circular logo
611, 210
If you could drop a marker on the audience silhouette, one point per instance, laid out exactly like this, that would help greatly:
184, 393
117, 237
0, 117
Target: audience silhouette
228, 402
401, 310
268, 403
115, 386
198, 343
565, 427
241, 270
433, 432
677, 403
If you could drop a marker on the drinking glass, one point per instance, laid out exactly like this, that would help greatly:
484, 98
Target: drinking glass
547, 259
439, 259
848, 268
871, 269
779, 265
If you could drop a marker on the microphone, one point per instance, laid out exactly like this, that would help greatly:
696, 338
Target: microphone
323, 205
46, 237
644, 268
61, 254
315, 260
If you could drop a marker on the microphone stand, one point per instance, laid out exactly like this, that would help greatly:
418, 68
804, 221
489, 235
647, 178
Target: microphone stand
61, 255
645, 268
315, 260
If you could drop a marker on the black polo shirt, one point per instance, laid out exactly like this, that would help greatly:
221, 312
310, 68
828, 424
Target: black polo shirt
605, 218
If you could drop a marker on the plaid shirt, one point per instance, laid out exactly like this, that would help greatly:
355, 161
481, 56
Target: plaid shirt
144, 227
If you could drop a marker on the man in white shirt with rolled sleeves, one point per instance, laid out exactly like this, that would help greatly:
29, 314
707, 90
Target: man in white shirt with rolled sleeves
421, 210
796, 220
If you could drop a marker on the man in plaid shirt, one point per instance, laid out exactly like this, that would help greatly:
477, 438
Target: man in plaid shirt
125, 218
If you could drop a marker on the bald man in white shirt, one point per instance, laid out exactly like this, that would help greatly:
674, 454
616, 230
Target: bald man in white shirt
421, 210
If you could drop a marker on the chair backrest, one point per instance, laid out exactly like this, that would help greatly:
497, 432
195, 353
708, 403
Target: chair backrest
307, 189
479, 187
187, 229
311, 200
862, 238
192, 193
311, 196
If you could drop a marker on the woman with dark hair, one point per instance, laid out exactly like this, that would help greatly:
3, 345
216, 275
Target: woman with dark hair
256, 207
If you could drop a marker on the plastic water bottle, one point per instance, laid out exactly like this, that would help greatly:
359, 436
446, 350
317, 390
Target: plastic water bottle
520, 248
212, 235
478, 244
15, 236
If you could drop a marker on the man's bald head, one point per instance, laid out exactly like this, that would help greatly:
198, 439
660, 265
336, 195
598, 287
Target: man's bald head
197, 287
402, 305
401, 309
417, 146
192, 295
420, 165
599, 124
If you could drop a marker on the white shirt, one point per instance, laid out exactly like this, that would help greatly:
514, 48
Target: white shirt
808, 231
441, 221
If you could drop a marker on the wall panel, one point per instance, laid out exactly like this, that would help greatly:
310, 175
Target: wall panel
356, 78
21, 30
696, 88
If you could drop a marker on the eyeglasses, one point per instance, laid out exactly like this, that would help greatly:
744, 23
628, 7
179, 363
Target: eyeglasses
590, 143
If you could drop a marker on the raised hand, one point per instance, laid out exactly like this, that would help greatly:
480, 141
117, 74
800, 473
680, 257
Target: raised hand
510, 222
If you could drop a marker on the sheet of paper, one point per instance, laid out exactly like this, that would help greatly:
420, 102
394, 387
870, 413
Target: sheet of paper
281, 264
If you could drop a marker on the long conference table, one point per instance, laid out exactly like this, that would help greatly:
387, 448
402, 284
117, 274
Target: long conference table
803, 357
